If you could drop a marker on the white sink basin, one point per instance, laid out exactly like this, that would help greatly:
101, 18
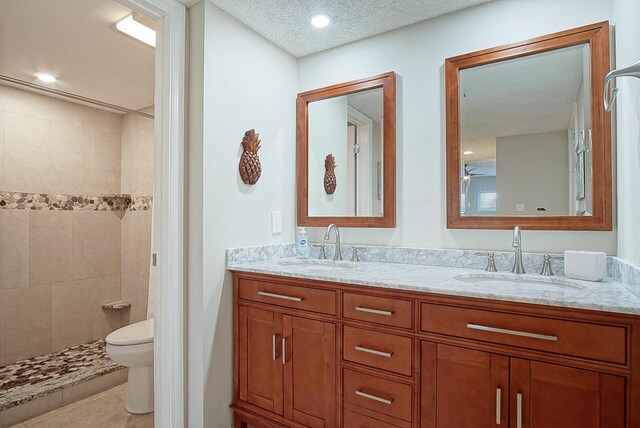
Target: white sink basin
319, 265
519, 283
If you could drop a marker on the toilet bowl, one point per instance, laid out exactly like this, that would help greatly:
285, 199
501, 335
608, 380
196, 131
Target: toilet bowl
132, 347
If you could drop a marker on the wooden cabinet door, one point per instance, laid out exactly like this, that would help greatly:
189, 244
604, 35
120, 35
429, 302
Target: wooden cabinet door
551, 396
260, 366
310, 393
463, 388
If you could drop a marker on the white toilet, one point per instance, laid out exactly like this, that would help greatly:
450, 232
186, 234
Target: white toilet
132, 347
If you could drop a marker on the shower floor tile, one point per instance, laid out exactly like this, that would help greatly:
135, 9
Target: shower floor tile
42, 375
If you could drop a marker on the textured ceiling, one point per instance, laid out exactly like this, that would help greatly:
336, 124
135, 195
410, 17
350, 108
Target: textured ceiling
286, 22
527, 95
75, 41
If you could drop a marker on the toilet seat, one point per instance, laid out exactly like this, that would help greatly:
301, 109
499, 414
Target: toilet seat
134, 334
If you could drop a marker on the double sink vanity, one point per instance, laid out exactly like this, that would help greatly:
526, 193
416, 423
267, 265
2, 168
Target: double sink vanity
323, 343
404, 337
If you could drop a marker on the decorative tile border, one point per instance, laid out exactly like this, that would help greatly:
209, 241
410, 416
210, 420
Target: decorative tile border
44, 201
141, 203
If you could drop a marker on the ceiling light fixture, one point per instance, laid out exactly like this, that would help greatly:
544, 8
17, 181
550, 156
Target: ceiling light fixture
45, 77
320, 21
132, 27
468, 152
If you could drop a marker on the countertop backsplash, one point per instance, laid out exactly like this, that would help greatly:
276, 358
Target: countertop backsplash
620, 271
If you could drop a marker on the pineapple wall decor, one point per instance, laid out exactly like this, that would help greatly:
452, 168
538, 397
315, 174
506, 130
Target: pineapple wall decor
250, 168
330, 174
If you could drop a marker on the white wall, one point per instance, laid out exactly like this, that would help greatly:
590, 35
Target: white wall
328, 134
626, 14
532, 170
243, 82
417, 54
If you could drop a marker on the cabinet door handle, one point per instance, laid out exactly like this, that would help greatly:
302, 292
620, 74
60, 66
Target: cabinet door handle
512, 332
374, 397
373, 311
498, 404
279, 296
274, 352
373, 351
519, 410
284, 350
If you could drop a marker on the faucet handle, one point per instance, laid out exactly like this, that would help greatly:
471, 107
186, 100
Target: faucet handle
322, 255
491, 261
354, 255
546, 264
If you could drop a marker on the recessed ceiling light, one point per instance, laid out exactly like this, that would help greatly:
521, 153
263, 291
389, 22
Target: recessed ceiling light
45, 77
468, 152
130, 26
320, 21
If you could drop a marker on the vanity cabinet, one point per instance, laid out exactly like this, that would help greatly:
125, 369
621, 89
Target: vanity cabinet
286, 364
467, 388
320, 354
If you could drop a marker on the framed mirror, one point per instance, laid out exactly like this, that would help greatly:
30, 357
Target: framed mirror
528, 140
346, 154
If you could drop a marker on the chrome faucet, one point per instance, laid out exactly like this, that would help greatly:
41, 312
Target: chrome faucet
337, 255
517, 244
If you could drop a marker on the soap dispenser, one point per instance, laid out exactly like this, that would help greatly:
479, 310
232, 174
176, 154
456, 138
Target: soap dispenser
303, 243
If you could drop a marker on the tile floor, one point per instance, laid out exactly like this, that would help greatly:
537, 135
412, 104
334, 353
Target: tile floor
103, 410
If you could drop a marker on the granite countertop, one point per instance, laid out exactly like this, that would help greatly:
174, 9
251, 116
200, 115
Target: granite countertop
606, 295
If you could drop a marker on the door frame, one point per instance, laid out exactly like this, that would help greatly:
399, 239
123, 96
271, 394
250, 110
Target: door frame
168, 208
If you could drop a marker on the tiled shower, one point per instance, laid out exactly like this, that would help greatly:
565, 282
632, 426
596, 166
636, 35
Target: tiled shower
70, 241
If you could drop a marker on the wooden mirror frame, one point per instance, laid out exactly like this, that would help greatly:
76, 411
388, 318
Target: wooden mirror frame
387, 82
597, 36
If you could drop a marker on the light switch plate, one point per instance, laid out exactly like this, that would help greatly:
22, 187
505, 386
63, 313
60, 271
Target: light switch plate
276, 222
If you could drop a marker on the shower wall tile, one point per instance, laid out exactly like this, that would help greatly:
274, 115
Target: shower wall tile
105, 161
137, 155
104, 321
136, 244
14, 248
50, 249
1, 149
71, 159
1, 327
95, 244
54, 109
71, 314
27, 320
14, 100
135, 290
27, 154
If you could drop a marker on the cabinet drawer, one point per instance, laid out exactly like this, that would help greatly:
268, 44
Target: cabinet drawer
594, 341
356, 420
379, 350
290, 296
379, 310
377, 394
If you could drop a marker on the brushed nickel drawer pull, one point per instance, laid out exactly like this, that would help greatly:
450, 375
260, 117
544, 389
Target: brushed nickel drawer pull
279, 296
373, 311
373, 351
519, 411
512, 332
374, 398
284, 350
274, 352
498, 403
